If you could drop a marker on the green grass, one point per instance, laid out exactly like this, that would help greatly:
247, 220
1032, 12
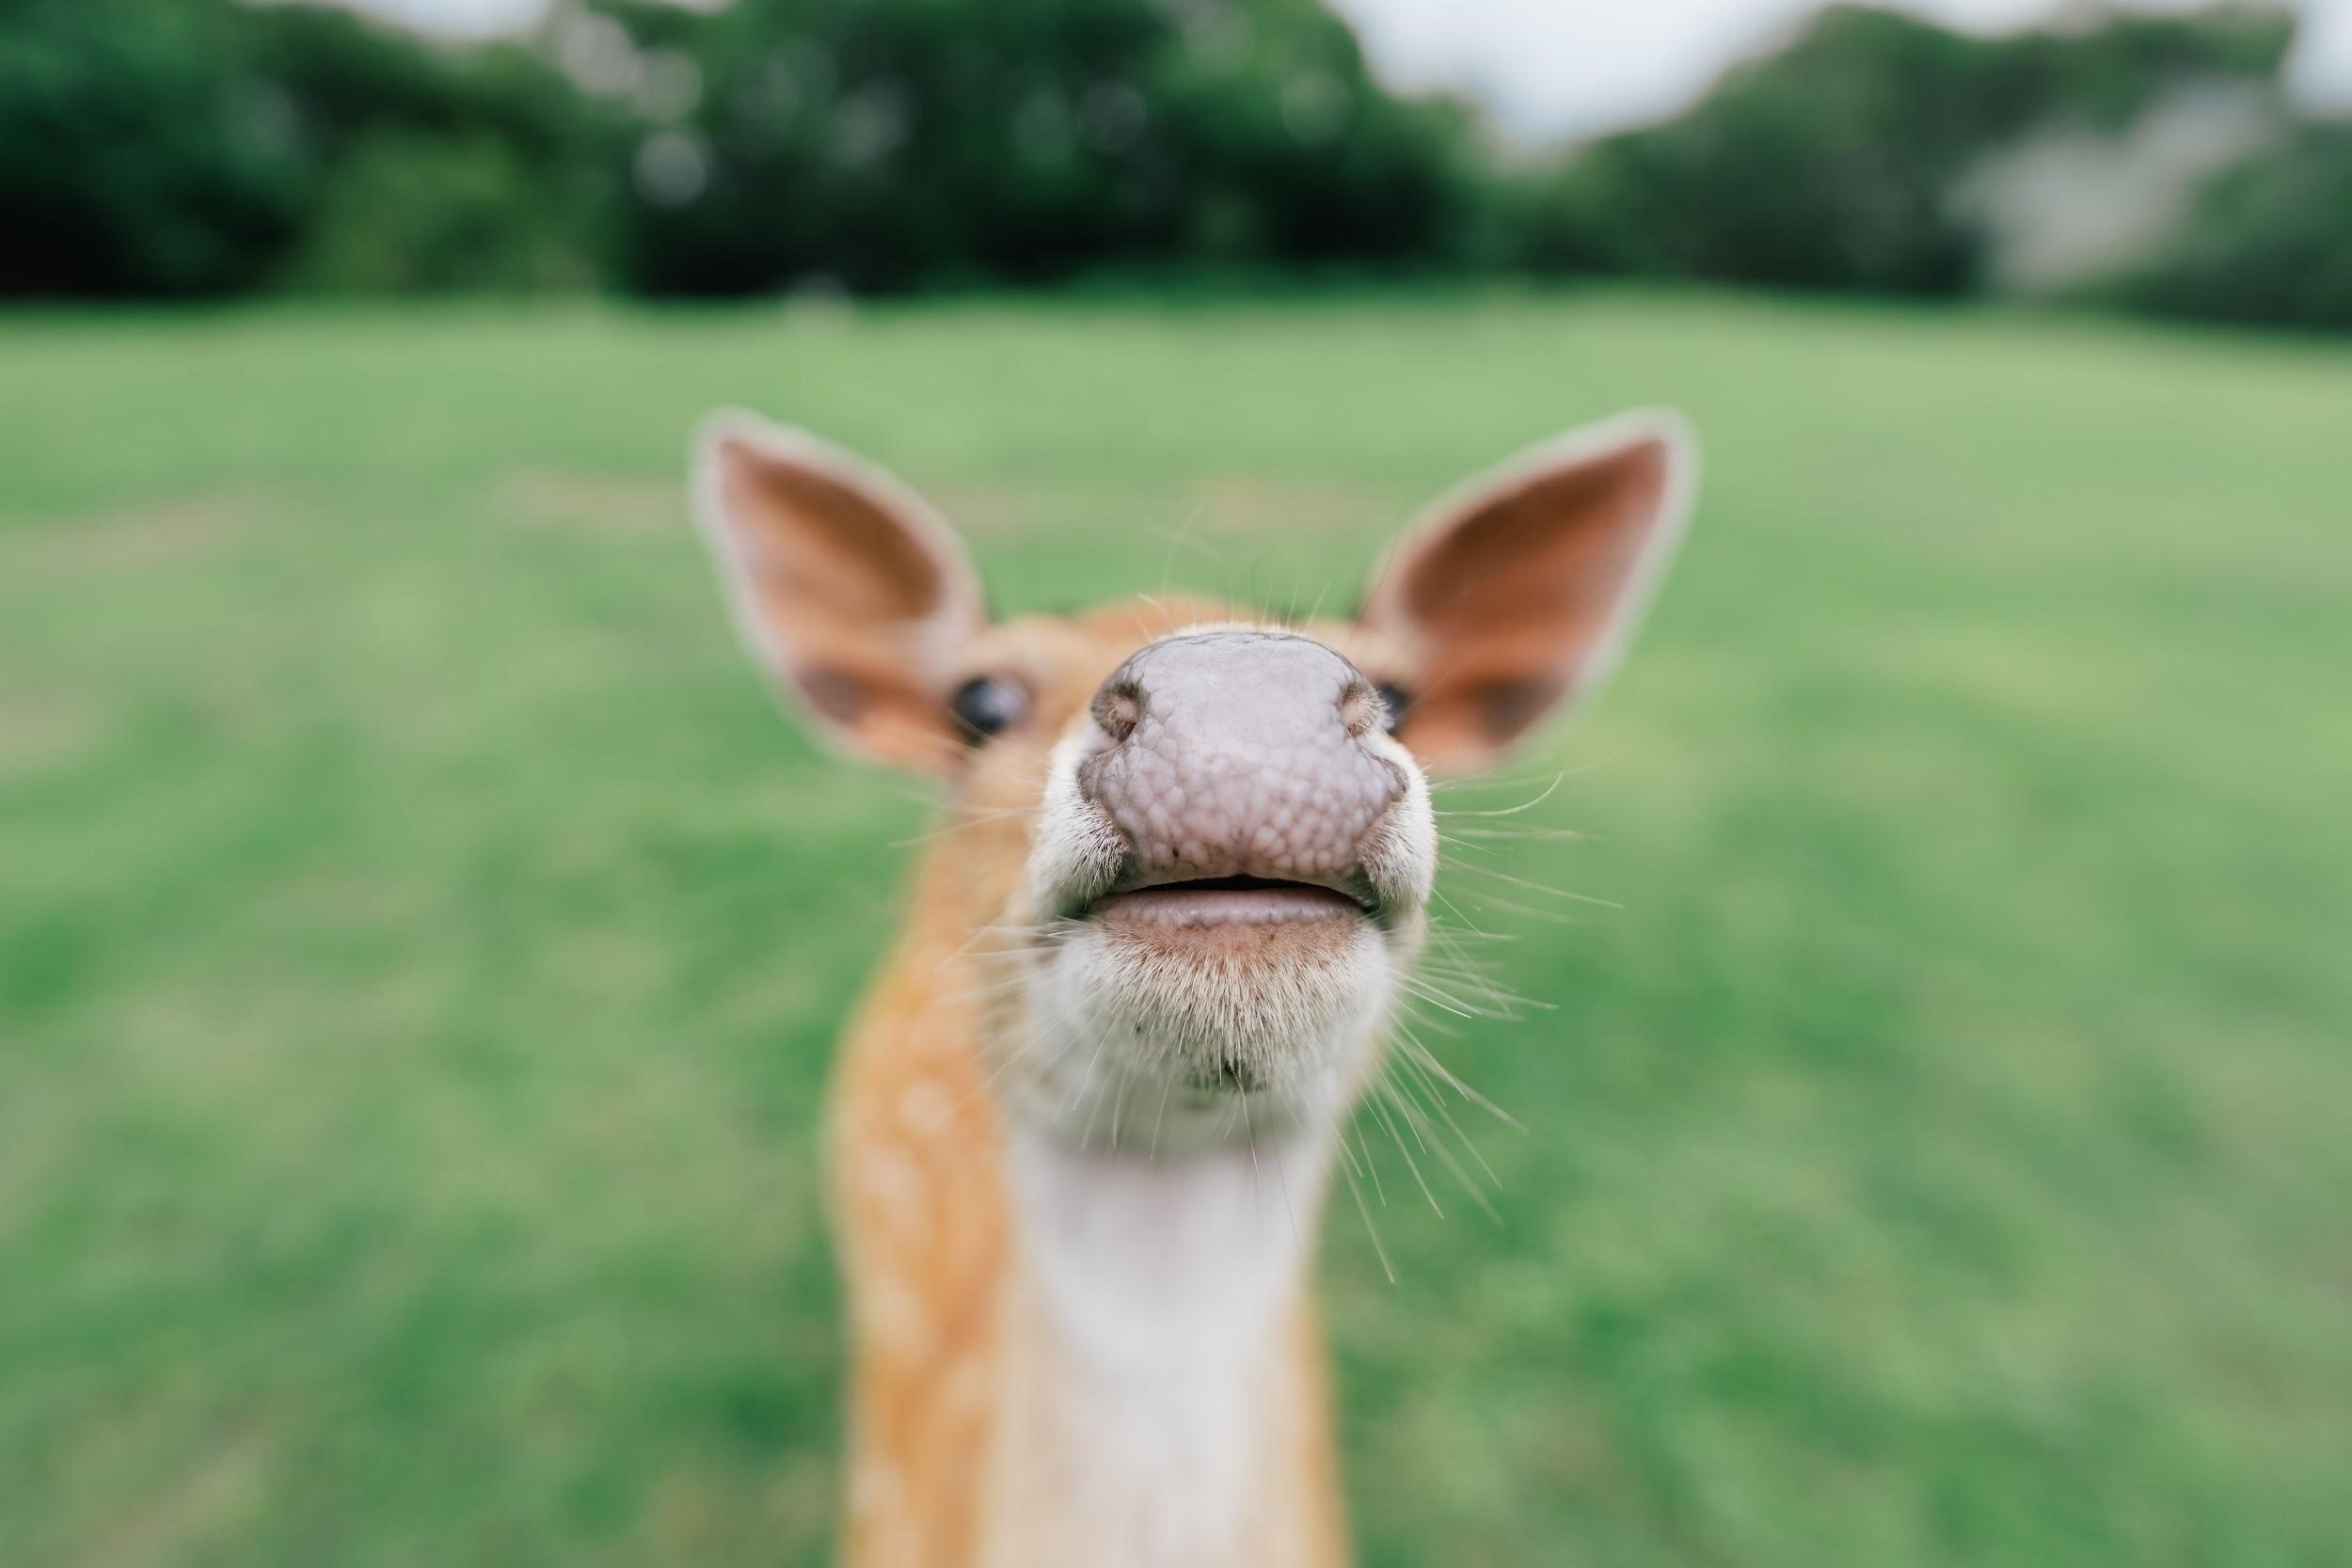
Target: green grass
420, 943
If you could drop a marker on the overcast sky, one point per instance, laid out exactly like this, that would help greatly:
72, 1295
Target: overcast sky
1564, 68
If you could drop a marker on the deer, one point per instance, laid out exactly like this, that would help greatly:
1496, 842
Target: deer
1082, 1124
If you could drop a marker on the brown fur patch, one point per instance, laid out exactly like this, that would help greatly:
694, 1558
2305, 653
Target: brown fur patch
596, 504
219, 1487
1255, 503
147, 534
41, 730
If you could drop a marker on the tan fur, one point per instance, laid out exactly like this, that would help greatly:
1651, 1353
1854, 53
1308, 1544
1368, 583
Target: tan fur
939, 1327
1506, 597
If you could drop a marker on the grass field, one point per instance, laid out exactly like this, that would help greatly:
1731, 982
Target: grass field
421, 942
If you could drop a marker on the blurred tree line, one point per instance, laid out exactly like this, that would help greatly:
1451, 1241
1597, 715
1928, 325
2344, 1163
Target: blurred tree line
210, 146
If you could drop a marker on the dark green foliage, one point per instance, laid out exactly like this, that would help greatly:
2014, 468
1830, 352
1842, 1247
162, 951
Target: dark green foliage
405, 213
203, 146
208, 147
1833, 164
437, 169
136, 155
889, 142
187, 146
2268, 240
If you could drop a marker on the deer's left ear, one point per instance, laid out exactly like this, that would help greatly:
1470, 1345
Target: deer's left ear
1513, 595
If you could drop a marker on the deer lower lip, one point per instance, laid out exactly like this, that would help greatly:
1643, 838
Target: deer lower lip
1227, 901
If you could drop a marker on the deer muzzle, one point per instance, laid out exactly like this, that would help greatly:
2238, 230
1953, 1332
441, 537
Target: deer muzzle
1251, 779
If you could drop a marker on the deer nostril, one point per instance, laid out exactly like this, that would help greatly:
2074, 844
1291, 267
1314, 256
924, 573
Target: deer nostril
1361, 708
1239, 754
1119, 709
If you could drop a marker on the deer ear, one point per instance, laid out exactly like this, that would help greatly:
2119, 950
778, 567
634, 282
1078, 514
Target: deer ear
1513, 595
846, 585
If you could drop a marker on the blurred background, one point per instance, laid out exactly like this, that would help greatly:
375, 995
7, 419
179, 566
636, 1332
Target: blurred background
421, 942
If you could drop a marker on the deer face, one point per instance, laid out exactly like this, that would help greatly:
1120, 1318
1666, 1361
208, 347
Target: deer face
1189, 854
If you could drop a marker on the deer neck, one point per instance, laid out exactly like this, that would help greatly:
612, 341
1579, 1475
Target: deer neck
1162, 1403
1067, 1358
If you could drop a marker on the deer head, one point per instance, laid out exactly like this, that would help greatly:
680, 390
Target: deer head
1189, 852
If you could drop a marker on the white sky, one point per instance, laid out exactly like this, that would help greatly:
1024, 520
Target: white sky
1548, 69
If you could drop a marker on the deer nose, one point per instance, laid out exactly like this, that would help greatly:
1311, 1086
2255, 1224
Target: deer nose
1241, 753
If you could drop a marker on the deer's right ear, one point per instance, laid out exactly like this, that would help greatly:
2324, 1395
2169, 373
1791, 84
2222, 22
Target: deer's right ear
846, 585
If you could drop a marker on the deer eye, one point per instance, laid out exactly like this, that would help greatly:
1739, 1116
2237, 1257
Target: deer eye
1396, 700
986, 705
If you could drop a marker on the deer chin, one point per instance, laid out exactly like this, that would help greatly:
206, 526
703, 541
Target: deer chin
1160, 1010
1172, 1017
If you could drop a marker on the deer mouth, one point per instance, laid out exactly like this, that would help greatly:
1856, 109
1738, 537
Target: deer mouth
1211, 902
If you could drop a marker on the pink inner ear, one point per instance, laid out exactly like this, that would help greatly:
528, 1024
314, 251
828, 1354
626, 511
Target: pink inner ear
1556, 552
1509, 597
813, 535
847, 585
